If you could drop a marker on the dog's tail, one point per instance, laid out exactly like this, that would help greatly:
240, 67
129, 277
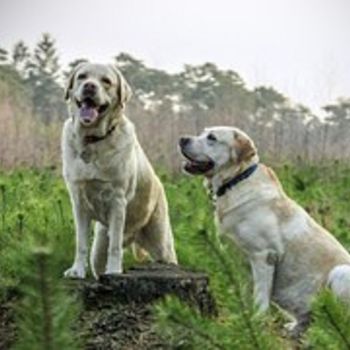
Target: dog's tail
339, 282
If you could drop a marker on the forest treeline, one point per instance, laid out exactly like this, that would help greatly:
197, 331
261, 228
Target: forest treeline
163, 107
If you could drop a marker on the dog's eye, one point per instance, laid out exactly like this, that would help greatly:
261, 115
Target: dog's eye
82, 76
211, 137
106, 81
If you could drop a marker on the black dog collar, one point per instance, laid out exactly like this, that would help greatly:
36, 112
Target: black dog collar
93, 139
234, 181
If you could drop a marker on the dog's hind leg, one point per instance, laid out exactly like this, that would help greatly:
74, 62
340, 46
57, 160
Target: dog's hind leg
99, 251
157, 237
339, 282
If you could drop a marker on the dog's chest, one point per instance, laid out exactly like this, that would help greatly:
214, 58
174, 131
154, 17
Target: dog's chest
235, 226
97, 183
96, 197
88, 164
245, 224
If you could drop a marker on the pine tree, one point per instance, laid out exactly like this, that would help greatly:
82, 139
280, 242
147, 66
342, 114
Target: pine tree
45, 58
20, 56
330, 328
42, 73
46, 312
3, 56
238, 327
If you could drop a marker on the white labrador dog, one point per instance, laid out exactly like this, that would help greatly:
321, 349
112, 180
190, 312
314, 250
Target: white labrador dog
109, 177
291, 256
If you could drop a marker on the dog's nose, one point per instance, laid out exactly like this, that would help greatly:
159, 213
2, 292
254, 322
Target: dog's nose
89, 89
184, 141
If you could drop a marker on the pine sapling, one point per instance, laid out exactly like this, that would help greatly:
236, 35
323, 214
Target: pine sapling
46, 311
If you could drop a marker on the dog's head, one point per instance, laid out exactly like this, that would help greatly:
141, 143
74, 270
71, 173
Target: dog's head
93, 90
215, 149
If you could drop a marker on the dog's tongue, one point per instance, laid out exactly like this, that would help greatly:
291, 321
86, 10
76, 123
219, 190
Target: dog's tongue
88, 113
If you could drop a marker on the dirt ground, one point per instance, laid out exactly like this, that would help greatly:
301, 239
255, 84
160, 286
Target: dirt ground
125, 327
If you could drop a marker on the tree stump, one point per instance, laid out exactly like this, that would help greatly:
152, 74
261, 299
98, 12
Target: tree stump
118, 308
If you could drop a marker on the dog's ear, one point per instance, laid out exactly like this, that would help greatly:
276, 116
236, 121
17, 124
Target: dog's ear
244, 147
124, 91
70, 80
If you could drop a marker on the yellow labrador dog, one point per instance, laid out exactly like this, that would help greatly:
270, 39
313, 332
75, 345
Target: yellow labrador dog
109, 177
291, 256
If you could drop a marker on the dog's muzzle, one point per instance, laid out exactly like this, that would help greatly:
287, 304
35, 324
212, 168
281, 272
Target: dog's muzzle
191, 165
89, 107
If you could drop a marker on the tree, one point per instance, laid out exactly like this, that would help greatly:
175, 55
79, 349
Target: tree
338, 112
42, 75
46, 312
144, 80
20, 55
267, 97
205, 85
3, 56
244, 328
45, 58
337, 127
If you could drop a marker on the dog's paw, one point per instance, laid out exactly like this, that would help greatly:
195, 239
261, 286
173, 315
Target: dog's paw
290, 326
75, 272
295, 330
114, 266
113, 271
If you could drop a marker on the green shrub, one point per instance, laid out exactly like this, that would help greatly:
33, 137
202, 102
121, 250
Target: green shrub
35, 212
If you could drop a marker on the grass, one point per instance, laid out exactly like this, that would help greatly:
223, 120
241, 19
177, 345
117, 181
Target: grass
35, 212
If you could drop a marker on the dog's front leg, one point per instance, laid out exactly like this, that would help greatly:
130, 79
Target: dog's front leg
263, 271
115, 234
82, 223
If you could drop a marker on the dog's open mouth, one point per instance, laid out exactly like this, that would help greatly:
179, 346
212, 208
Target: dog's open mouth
90, 111
197, 167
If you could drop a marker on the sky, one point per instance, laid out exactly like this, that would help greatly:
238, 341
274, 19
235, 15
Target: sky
300, 47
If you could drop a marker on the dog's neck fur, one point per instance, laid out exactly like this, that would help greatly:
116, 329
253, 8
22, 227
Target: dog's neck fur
228, 172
